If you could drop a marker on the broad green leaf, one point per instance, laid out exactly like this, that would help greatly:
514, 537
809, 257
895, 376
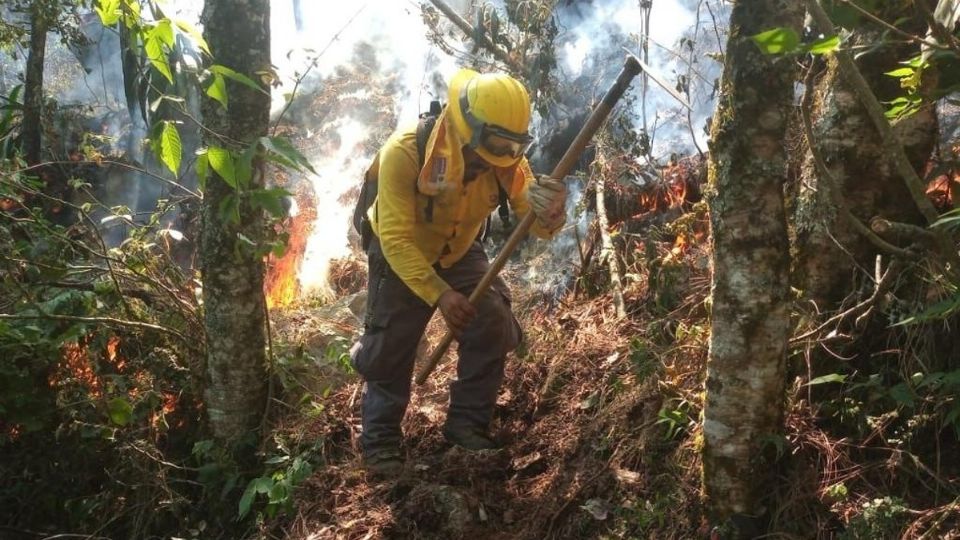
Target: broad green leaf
108, 11
239, 77
218, 90
230, 209
194, 34
171, 148
270, 200
154, 49
824, 45
777, 41
120, 411
902, 394
831, 378
247, 499
164, 32
222, 162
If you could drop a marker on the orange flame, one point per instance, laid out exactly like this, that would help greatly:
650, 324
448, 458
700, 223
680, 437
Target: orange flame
281, 283
76, 364
113, 353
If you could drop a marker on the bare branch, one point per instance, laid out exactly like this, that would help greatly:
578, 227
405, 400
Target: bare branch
480, 37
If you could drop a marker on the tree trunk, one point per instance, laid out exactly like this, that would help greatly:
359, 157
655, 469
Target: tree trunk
238, 32
32, 130
750, 290
829, 251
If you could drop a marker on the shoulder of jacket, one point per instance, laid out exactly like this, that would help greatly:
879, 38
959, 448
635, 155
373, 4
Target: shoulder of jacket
403, 140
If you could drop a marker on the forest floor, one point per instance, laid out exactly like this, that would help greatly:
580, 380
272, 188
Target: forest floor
596, 417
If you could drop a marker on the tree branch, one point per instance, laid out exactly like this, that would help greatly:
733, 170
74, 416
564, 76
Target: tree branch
608, 252
101, 320
480, 37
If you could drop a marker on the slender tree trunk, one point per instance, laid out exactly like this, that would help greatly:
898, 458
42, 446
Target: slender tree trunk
32, 131
750, 289
238, 32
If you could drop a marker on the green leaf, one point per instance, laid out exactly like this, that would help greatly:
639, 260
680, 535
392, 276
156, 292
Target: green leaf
244, 166
218, 90
902, 394
230, 209
243, 508
239, 77
777, 41
222, 162
194, 34
824, 45
947, 218
170, 147
901, 73
154, 49
120, 411
831, 378
270, 200
282, 146
203, 168
109, 11
164, 32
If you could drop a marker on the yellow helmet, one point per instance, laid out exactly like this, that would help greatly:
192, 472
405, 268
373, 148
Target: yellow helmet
491, 111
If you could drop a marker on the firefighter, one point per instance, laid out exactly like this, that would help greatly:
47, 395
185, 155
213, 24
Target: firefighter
424, 254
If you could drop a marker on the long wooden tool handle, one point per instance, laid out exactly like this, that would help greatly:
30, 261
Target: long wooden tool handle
631, 68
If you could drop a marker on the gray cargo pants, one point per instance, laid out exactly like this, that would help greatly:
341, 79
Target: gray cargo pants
395, 320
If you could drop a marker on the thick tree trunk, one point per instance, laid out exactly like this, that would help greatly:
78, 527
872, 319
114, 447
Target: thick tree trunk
238, 32
829, 251
750, 290
32, 131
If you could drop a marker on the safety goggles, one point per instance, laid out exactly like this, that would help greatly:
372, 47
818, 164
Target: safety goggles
498, 141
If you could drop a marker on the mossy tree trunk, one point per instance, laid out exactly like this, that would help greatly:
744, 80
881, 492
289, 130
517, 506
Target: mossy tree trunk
830, 253
238, 32
751, 261
31, 133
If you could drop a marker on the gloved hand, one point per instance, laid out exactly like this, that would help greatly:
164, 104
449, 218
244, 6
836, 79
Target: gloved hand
548, 198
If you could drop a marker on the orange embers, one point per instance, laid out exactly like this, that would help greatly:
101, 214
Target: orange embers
113, 356
167, 408
77, 367
282, 284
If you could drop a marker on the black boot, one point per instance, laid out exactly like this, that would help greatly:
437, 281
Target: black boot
470, 438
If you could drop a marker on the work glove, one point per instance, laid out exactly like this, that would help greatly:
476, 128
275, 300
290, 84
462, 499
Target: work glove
548, 199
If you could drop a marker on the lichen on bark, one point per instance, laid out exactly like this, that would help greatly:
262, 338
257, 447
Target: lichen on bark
238, 32
750, 287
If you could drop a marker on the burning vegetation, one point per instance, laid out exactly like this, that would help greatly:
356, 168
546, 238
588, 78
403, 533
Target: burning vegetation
104, 365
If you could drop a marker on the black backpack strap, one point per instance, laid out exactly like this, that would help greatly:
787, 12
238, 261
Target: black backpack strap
424, 129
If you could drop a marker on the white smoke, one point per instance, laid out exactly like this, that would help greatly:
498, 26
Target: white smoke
595, 35
324, 36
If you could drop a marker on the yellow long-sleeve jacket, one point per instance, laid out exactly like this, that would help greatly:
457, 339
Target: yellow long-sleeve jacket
415, 236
